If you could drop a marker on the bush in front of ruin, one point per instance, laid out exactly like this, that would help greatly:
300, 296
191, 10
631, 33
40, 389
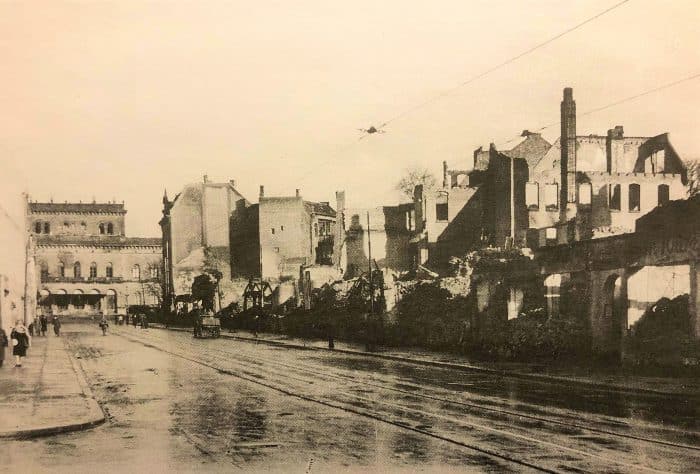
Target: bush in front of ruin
662, 337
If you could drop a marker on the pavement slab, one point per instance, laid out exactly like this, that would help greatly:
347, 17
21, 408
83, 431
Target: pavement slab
47, 395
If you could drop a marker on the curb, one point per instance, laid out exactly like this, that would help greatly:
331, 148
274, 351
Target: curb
95, 418
463, 367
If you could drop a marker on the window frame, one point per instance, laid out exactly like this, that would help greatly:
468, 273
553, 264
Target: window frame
442, 209
611, 188
637, 194
658, 194
536, 205
551, 206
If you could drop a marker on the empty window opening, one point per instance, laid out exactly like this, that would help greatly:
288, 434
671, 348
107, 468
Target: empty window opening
615, 199
634, 198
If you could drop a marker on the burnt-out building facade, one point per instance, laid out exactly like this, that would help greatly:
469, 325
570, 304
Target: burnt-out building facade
276, 237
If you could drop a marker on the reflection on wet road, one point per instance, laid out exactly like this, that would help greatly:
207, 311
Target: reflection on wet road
214, 404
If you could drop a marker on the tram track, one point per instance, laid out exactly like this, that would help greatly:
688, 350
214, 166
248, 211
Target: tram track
348, 401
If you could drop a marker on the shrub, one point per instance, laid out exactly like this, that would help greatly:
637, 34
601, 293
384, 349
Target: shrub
663, 336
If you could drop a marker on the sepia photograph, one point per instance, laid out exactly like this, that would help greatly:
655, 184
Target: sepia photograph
349, 237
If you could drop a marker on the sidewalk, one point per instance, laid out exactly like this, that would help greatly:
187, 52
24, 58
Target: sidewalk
576, 376
47, 395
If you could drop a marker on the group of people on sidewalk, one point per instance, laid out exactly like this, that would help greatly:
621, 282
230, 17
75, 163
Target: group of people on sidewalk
21, 337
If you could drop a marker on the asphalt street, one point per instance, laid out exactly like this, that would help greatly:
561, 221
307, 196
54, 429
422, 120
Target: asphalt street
178, 404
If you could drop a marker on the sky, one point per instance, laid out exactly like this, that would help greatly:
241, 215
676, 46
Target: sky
121, 100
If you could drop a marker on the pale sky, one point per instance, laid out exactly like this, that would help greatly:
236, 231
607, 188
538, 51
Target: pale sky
119, 100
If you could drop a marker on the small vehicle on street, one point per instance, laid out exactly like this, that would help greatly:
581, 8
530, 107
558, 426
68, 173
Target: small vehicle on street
207, 325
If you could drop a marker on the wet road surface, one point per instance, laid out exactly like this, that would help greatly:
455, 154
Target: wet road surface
182, 404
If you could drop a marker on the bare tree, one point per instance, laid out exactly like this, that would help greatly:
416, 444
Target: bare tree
413, 177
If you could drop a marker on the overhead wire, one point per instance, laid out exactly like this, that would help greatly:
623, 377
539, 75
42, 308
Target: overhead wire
477, 77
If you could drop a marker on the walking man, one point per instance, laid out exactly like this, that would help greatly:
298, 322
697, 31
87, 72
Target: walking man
56, 326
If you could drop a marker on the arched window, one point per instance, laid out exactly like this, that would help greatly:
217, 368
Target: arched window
37, 227
47, 228
664, 194
110, 228
102, 228
44, 271
109, 271
93, 270
76, 269
61, 269
634, 198
83, 226
154, 271
136, 272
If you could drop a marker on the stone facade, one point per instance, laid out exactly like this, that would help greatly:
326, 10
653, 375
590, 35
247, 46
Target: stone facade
612, 180
196, 235
284, 234
17, 282
84, 262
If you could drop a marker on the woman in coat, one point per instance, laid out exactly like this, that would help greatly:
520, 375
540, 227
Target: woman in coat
3, 344
19, 348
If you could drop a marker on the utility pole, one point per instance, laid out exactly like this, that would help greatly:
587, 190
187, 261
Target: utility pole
369, 265
512, 201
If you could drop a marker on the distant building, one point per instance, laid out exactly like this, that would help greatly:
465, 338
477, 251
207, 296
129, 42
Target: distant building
590, 186
578, 188
389, 230
86, 264
196, 235
17, 279
278, 236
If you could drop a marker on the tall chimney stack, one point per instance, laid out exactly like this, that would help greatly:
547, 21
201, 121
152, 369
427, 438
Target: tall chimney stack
297, 193
568, 149
444, 174
262, 191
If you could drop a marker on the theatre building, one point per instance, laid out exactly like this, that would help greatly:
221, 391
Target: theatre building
86, 264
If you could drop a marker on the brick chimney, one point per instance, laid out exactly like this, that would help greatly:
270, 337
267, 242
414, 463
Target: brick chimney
206, 178
297, 194
615, 150
444, 174
568, 149
339, 228
262, 191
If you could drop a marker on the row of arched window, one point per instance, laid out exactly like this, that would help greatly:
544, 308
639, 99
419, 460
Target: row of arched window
41, 227
109, 270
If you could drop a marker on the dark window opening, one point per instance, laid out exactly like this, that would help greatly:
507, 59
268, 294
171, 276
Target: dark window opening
110, 228
664, 194
93, 270
76, 270
614, 199
47, 228
61, 269
109, 272
634, 198
37, 228
102, 229
442, 210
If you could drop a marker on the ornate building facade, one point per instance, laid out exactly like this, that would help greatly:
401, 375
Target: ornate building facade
85, 264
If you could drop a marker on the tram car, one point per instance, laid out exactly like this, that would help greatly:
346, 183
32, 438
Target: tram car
207, 325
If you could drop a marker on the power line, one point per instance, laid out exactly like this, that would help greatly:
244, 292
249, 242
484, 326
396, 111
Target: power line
478, 76
612, 104
503, 64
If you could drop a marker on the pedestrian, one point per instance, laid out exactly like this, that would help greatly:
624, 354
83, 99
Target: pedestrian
56, 326
104, 325
120, 320
44, 323
134, 319
3, 344
20, 342
31, 328
144, 321
37, 326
